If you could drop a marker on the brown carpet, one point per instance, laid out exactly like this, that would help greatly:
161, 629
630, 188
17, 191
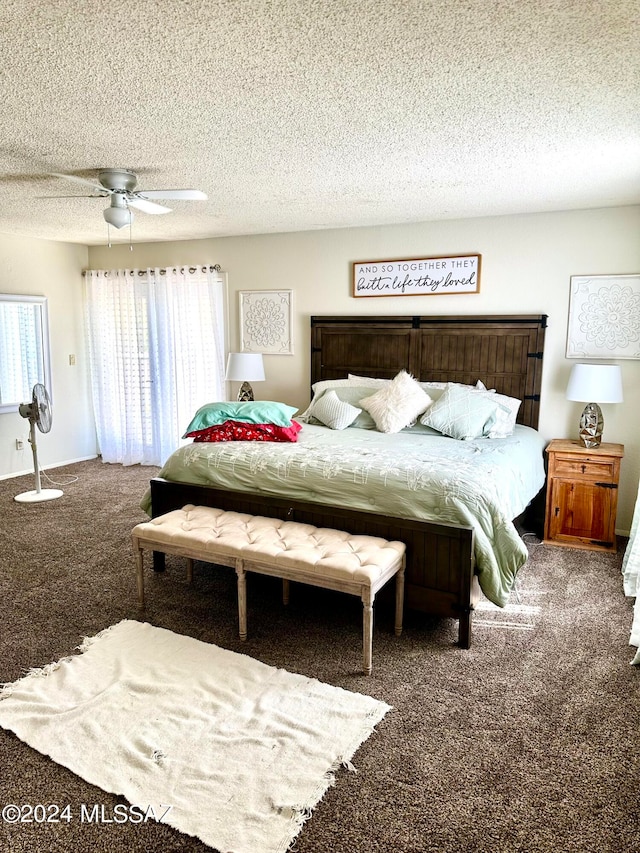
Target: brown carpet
526, 742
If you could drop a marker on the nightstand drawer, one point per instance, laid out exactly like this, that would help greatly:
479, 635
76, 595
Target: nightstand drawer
583, 468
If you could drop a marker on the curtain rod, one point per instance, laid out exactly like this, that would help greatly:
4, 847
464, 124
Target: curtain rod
164, 270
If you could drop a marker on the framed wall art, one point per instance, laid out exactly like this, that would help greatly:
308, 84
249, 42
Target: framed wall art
266, 321
417, 276
604, 316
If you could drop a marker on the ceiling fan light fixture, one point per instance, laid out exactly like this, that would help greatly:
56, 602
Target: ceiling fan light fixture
118, 214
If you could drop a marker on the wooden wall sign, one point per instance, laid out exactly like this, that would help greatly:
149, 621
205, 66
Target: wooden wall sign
417, 276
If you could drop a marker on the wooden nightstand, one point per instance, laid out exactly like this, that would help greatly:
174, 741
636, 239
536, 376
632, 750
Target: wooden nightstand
582, 495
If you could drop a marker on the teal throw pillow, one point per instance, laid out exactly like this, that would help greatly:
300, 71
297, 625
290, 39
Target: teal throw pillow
254, 412
461, 413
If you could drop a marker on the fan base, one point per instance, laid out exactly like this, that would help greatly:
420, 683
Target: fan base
35, 496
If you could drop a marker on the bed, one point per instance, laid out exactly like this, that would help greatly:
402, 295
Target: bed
451, 552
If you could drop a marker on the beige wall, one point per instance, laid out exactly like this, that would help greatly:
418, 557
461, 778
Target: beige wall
526, 265
45, 268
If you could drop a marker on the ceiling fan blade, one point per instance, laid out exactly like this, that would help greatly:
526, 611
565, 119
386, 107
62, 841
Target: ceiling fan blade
187, 195
103, 191
71, 196
146, 206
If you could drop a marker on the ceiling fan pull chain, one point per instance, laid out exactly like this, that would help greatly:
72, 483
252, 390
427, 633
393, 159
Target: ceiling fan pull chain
108, 235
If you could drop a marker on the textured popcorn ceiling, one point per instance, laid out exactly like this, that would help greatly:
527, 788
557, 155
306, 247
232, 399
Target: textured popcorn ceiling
305, 114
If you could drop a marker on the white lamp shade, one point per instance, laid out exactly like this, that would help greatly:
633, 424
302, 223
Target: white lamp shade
245, 367
118, 217
595, 383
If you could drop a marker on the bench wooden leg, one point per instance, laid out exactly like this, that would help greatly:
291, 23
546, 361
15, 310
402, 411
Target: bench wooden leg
367, 631
399, 598
189, 570
242, 599
139, 574
285, 591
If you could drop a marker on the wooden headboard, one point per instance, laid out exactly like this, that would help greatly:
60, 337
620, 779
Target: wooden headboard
505, 352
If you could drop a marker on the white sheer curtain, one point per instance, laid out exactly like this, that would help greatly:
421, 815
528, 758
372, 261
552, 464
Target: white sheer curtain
156, 349
631, 576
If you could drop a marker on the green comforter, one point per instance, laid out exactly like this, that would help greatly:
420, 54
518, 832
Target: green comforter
482, 484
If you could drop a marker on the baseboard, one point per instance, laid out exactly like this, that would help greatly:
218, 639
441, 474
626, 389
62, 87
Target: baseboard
48, 467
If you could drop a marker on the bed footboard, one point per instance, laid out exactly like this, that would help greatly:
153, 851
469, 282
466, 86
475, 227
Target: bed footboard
440, 557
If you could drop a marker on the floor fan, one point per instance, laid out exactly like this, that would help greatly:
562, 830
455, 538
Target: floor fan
38, 411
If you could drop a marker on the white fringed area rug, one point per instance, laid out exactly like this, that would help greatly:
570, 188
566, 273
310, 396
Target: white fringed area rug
239, 750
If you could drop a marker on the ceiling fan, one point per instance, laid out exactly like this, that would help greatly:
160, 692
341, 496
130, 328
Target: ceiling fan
120, 186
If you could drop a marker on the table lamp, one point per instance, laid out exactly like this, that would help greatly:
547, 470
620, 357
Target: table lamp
245, 367
601, 383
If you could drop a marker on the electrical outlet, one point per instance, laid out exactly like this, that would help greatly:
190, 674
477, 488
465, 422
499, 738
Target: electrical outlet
19, 444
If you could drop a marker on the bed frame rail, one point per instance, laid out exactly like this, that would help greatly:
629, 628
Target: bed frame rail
440, 557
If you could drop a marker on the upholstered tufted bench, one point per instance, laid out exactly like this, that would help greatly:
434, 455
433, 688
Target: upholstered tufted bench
323, 557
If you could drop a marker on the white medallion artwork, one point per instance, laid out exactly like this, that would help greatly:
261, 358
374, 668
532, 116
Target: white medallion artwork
604, 317
265, 321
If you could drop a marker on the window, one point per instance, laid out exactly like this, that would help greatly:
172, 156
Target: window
156, 349
24, 348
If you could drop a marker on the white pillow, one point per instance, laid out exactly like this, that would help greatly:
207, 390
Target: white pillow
327, 384
334, 412
397, 404
369, 380
433, 389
